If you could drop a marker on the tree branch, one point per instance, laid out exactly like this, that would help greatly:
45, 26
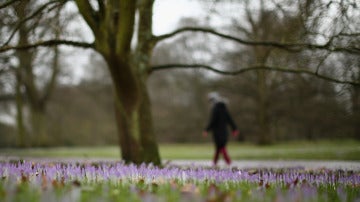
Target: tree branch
8, 3
291, 47
50, 85
322, 60
349, 34
251, 68
35, 13
7, 97
88, 13
5, 69
127, 10
101, 7
48, 43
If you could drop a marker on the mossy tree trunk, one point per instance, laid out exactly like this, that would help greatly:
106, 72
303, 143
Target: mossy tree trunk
133, 114
113, 26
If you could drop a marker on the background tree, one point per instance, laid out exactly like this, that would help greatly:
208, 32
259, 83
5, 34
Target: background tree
37, 87
185, 90
83, 114
7, 77
34, 72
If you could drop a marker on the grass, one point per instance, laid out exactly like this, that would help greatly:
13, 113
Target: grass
319, 150
323, 150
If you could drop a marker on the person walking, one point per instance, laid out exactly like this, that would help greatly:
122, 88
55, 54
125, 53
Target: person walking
218, 124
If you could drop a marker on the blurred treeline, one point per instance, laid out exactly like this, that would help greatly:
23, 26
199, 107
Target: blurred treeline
300, 108
267, 106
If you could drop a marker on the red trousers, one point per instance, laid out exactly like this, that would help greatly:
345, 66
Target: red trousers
224, 153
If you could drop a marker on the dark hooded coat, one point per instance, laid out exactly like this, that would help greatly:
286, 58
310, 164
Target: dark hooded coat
218, 124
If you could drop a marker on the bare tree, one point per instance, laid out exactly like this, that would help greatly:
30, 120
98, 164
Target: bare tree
23, 24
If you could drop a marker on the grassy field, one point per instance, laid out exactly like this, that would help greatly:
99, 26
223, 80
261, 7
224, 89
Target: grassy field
324, 150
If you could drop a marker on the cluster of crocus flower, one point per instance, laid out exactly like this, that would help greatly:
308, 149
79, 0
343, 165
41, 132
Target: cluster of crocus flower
186, 179
98, 171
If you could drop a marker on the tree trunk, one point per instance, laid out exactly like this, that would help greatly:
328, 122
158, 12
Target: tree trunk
133, 114
27, 79
113, 28
129, 133
36, 98
38, 126
148, 137
141, 62
264, 135
356, 111
263, 119
25, 58
20, 142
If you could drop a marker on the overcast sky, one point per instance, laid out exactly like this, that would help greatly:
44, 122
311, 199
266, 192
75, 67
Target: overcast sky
166, 13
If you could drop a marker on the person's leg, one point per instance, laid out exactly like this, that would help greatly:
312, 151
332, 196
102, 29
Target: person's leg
216, 156
226, 155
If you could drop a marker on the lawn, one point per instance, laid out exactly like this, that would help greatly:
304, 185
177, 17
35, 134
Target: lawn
319, 150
